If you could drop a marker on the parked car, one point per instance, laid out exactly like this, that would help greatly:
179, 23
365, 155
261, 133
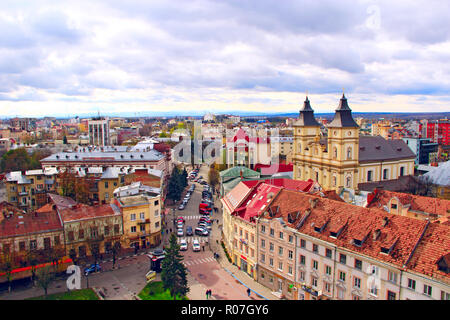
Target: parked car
158, 252
180, 232
180, 225
189, 231
201, 231
183, 245
204, 226
195, 245
206, 219
180, 219
203, 182
92, 268
181, 206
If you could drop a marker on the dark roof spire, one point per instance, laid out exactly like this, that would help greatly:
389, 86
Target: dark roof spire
306, 117
343, 116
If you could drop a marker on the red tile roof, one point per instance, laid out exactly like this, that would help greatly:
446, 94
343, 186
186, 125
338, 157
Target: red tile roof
25, 223
234, 198
434, 245
357, 222
418, 203
267, 169
82, 211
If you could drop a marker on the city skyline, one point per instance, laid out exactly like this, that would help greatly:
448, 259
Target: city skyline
210, 56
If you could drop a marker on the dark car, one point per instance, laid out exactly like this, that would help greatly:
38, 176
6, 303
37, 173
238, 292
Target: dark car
189, 231
92, 268
203, 182
158, 252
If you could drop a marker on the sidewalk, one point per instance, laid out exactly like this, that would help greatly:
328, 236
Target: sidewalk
245, 279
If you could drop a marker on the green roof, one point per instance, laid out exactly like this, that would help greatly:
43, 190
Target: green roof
236, 172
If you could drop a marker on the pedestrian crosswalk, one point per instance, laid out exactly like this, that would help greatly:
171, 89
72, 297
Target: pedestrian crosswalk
198, 261
194, 217
191, 239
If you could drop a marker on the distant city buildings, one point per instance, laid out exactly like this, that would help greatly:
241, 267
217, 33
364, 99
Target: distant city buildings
98, 129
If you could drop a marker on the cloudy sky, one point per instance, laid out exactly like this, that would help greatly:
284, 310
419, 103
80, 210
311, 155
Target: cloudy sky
183, 56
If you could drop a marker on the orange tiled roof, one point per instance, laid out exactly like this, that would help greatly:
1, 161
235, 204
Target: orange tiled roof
418, 203
434, 245
82, 211
400, 234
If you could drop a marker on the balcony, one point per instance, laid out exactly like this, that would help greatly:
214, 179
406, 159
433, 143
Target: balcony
23, 193
144, 221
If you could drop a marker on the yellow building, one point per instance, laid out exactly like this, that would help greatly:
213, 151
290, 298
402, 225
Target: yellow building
141, 219
344, 158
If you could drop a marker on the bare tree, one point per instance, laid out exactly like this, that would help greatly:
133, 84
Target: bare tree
44, 278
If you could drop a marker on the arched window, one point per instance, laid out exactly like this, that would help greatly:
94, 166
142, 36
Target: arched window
300, 148
334, 181
349, 153
334, 153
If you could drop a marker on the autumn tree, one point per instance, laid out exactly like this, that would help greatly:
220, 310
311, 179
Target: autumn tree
7, 266
44, 277
213, 177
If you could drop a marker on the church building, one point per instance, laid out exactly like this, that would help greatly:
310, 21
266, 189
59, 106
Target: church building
343, 158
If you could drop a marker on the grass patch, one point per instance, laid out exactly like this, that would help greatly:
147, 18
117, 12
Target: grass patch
82, 294
155, 291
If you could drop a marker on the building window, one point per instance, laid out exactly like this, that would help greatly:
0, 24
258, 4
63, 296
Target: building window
263, 229
334, 153
342, 258
327, 287
33, 245
240, 232
349, 153
252, 252
291, 239
263, 243
369, 175
427, 290
271, 262
142, 216
340, 293
280, 251
328, 253
314, 281
402, 171
392, 277
302, 243
252, 238
246, 235
157, 225
290, 254
385, 174
272, 232
156, 202
156, 213
373, 290
315, 265
411, 284
302, 276
342, 276
106, 185
302, 260
70, 236
355, 297
81, 234
133, 217
391, 295
315, 248
271, 246
263, 258
106, 195
280, 266
116, 228
133, 229
328, 270
22, 246
357, 282
290, 269
281, 235
358, 264
445, 295
142, 227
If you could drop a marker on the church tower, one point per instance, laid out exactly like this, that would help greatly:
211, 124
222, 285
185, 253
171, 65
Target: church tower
306, 132
343, 148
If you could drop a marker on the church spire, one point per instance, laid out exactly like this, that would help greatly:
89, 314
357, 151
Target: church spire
343, 116
306, 117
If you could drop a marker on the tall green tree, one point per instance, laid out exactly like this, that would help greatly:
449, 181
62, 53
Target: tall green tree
65, 139
174, 273
175, 186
